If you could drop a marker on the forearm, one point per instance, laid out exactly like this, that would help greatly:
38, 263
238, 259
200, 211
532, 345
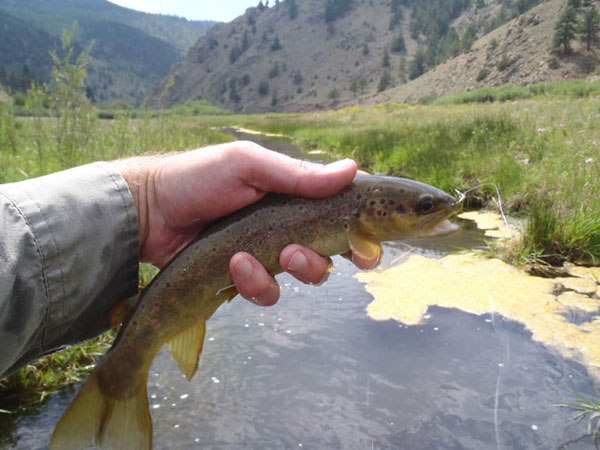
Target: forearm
68, 253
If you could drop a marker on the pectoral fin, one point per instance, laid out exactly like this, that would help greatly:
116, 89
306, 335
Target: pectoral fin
186, 348
364, 246
228, 292
121, 310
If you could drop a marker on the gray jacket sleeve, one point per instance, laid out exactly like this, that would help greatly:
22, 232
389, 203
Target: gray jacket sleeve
68, 252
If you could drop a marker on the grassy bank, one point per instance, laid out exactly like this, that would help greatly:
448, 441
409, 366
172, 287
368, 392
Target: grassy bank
543, 154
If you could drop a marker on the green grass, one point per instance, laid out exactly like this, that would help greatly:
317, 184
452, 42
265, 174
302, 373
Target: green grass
542, 153
508, 92
586, 409
51, 373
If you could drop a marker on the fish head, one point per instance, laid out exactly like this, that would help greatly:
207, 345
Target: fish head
395, 208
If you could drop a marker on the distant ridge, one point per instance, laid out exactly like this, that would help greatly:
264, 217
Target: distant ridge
133, 51
303, 55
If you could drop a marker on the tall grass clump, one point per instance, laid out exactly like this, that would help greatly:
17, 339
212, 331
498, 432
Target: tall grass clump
508, 92
542, 153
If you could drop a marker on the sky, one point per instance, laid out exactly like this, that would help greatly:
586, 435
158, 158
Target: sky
219, 10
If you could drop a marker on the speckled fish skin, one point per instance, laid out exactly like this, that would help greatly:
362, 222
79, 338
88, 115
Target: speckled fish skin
191, 287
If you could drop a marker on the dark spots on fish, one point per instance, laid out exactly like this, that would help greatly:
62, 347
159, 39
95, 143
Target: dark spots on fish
391, 201
382, 201
401, 191
358, 196
247, 231
357, 214
400, 209
378, 213
372, 203
331, 220
384, 214
214, 249
345, 226
168, 284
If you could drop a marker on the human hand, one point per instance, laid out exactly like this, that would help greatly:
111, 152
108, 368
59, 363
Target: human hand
179, 194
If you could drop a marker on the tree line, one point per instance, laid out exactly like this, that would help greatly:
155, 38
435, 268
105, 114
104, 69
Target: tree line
580, 19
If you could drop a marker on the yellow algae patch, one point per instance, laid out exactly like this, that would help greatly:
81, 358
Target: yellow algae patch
581, 285
593, 273
492, 223
479, 286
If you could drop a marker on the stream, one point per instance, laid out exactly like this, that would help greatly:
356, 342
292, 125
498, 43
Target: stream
315, 372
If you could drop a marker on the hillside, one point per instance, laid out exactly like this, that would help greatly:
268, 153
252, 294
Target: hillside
518, 52
331, 53
132, 50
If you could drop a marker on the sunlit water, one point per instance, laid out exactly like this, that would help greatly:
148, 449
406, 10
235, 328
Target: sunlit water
314, 372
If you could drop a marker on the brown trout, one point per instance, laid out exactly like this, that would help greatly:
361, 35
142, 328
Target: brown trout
111, 410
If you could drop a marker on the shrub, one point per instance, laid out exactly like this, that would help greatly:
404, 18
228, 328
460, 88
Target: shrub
263, 88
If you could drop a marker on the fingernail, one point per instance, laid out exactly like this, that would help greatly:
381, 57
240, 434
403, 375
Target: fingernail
339, 165
244, 268
298, 263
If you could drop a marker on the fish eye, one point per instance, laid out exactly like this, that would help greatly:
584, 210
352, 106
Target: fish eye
426, 204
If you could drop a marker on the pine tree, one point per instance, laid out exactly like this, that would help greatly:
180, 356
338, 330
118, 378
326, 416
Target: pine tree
276, 45
589, 28
292, 9
386, 58
398, 45
565, 29
385, 81
416, 68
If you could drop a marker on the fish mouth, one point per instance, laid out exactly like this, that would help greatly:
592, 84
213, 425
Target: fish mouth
444, 226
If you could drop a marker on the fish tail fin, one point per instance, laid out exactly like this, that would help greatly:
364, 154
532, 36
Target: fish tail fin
95, 418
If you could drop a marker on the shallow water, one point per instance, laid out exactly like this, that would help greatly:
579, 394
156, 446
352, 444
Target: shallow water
314, 372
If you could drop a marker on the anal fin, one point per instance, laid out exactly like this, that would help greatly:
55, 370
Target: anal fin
186, 348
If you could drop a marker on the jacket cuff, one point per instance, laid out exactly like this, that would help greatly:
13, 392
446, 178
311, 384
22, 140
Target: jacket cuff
75, 245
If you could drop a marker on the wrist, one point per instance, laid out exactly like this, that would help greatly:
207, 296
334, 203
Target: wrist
138, 174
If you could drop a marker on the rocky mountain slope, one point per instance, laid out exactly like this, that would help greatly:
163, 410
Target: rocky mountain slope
367, 51
519, 52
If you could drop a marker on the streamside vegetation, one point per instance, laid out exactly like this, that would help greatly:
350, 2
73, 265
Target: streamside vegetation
542, 153
539, 144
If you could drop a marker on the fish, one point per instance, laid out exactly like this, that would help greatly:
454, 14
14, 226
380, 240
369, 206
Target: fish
111, 409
